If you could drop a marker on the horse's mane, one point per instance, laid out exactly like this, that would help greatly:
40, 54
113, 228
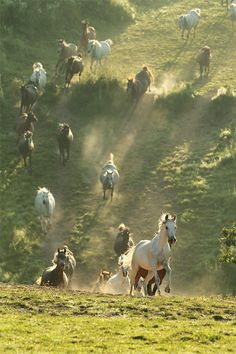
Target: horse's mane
97, 43
43, 189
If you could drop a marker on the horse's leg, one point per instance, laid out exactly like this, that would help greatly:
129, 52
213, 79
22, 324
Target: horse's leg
201, 69
132, 277
182, 35
30, 163
146, 281
104, 193
168, 273
156, 276
112, 190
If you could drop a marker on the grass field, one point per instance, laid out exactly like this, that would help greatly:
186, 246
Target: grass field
49, 321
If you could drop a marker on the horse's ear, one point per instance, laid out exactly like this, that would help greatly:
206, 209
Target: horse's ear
174, 217
166, 217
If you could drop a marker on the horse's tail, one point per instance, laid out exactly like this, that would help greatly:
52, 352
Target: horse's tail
127, 259
109, 41
111, 157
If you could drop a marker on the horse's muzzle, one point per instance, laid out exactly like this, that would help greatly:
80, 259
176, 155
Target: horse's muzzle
172, 241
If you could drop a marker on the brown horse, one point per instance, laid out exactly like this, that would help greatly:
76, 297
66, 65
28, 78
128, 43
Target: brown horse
55, 275
75, 65
65, 51
123, 240
64, 139
88, 32
25, 122
203, 59
26, 147
29, 95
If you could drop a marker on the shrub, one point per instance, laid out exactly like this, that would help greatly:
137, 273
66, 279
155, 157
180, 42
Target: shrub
228, 245
222, 103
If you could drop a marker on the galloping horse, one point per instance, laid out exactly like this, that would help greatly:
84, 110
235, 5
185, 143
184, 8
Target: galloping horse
88, 32
29, 95
25, 122
118, 283
109, 177
98, 50
123, 241
64, 139
65, 50
38, 78
138, 86
74, 65
70, 263
154, 255
55, 275
203, 60
26, 147
44, 206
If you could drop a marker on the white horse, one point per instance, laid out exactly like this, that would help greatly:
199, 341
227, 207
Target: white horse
189, 21
118, 283
98, 50
109, 176
39, 76
153, 255
44, 206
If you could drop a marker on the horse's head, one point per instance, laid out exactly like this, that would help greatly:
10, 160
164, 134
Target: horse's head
169, 225
109, 178
64, 128
61, 258
130, 85
45, 196
61, 43
180, 21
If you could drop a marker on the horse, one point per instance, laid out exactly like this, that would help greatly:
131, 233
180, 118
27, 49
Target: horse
189, 21
203, 60
44, 205
154, 255
98, 50
29, 95
104, 276
138, 86
64, 139
25, 122
88, 33
65, 50
232, 12
123, 241
109, 177
70, 263
38, 77
118, 283
74, 65
55, 275
26, 147
151, 286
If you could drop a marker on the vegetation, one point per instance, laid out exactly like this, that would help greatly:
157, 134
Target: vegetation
36, 320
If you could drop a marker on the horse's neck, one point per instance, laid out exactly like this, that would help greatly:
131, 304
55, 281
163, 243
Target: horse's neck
160, 239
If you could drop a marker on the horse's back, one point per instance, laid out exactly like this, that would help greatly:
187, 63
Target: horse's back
144, 81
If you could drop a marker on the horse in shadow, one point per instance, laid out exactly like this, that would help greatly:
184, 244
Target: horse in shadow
70, 263
55, 275
74, 65
123, 241
29, 95
26, 147
109, 177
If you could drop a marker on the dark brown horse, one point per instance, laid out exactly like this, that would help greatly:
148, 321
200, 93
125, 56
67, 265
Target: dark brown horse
29, 95
123, 240
25, 122
64, 139
26, 147
75, 65
55, 275
203, 59
88, 32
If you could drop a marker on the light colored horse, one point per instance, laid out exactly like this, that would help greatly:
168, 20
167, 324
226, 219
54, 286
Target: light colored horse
65, 50
118, 283
189, 21
154, 255
98, 50
44, 206
109, 176
39, 76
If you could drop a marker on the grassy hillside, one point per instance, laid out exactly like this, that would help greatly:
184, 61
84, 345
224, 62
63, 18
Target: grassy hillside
174, 155
42, 320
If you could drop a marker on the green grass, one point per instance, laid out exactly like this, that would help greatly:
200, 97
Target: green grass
45, 320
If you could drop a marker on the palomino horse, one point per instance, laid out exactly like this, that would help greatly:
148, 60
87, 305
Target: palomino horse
118, 283
70, 263
109, 177
154, 255
38, 78
44, 206
65, 51
98, 50
88, 32
26, 147
74, 65
55, 275
29, 95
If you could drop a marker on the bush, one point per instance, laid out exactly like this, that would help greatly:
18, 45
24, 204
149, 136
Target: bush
228, 245
96, 96
222, 104
178, 101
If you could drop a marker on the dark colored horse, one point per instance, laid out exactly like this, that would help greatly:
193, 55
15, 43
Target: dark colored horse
70, 264
26, 147
151, 290
123, 240
55, 275
204, 58
88, 32
138, 86
64, 139
25, 122
75, 65
29, 95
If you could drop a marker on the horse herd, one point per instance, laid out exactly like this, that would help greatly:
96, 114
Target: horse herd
142, 266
